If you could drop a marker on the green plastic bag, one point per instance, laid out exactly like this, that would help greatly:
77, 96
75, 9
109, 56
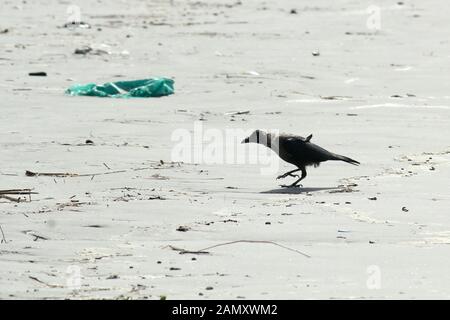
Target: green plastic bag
145, 88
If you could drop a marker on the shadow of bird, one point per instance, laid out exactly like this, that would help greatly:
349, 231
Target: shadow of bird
296, 190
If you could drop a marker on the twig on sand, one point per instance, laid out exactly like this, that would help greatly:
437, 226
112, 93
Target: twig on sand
45, 283
3, 235
161, 163
17, 191
63, 175
49, 174
183, 251
257, 241
204, 250
6, 194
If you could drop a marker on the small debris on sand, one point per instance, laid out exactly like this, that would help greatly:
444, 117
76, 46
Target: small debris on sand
174, 269
77, 24
89, 50
38, 74
183, 228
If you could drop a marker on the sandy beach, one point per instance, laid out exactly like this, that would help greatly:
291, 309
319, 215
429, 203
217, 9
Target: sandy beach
127, 220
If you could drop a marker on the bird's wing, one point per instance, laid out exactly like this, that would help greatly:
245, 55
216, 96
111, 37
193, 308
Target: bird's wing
299, 148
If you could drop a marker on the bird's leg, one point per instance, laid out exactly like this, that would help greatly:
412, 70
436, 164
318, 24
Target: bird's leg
290, 173
295, 184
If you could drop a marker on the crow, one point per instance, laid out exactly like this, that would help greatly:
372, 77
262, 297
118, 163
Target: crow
297, 150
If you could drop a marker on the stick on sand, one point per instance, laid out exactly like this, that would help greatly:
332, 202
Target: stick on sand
204, 250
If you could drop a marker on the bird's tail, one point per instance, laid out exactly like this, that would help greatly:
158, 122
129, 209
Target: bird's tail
346, 159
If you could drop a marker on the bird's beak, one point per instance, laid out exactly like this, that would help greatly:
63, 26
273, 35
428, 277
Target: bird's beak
246, 140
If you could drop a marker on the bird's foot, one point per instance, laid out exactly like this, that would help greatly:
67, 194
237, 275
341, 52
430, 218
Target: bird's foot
287, 174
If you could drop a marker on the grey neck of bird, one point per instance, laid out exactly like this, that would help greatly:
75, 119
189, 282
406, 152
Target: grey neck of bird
266, 140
